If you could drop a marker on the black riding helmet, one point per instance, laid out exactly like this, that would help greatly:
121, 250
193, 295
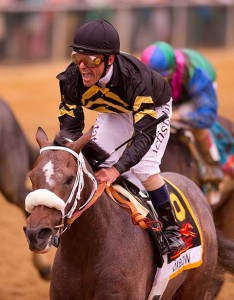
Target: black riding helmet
97, 37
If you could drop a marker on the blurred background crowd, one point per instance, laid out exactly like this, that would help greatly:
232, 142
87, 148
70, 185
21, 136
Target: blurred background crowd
32, 30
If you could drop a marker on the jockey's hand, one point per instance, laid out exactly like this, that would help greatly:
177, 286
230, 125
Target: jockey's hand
107, 175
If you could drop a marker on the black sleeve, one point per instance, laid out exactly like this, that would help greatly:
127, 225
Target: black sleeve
71, 115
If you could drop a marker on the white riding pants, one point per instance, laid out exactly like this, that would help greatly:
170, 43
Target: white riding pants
111, 130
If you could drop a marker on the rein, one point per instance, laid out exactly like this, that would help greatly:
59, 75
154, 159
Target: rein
137, 217
94, 199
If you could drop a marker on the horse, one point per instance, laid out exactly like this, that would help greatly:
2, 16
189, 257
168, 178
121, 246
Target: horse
101, 253
17, 156
178, 158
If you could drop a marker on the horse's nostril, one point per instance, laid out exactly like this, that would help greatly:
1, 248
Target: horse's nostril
44, 233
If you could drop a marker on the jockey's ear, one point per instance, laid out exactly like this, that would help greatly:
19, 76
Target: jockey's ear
41, 138
79, 144
111, 59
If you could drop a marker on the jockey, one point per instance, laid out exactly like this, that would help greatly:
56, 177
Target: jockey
192, 80
127, 96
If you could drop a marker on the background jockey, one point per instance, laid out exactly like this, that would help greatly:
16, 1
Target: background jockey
192, 79
128, 96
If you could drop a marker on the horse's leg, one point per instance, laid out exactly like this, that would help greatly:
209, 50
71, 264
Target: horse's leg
216, 284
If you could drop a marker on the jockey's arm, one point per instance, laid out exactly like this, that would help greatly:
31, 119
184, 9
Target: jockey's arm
71, 115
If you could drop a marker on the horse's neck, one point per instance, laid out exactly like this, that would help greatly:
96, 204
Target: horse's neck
104, 221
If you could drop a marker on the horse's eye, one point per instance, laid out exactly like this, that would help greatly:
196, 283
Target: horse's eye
69, 180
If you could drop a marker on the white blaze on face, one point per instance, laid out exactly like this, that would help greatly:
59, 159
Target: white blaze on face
49, 171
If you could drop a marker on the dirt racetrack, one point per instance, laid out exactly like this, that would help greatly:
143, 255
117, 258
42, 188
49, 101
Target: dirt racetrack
33, 94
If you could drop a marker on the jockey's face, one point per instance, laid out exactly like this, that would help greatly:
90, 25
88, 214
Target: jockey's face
91, 72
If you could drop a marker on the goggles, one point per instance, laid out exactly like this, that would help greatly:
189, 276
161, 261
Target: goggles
91, 61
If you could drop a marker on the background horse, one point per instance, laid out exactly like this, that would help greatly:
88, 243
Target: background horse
17, 157
95, 257
178, 158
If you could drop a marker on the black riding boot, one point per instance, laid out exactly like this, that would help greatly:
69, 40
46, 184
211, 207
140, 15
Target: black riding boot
170, 228
166, 216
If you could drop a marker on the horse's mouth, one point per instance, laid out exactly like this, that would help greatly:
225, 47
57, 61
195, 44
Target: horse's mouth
37, 242
39, 248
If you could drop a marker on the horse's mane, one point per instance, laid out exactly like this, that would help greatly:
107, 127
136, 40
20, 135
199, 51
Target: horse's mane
92, 152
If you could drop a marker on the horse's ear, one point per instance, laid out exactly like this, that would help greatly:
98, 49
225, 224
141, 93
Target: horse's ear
41, 137
79, 144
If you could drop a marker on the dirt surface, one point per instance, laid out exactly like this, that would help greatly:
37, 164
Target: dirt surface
33, 94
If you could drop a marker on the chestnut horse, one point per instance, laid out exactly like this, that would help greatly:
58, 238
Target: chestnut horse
178, 158
102, 254
17, 156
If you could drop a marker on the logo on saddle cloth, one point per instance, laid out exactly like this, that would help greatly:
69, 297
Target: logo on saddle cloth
191, 256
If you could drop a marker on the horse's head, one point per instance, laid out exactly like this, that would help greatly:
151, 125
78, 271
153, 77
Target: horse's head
58, 178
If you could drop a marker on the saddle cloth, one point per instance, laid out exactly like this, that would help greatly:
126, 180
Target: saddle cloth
176, 262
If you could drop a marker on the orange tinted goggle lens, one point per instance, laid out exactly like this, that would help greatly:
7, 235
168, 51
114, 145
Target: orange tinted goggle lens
91, 61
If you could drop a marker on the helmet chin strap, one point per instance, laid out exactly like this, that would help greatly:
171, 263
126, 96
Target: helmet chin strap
106, 66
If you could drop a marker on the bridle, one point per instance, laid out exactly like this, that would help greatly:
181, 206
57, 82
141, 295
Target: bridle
74, 196
79, 180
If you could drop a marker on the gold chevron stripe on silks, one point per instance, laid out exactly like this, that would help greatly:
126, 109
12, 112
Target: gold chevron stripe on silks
137, 105
140, 100
63, 111
105, 91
